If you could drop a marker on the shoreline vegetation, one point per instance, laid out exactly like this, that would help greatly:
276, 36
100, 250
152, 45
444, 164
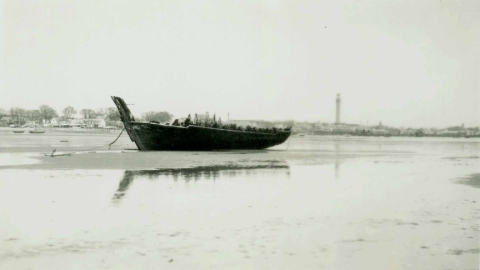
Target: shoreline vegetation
107, 120
56, 130
361, 133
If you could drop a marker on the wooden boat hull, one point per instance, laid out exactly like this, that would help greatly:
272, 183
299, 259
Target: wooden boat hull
36, 131
160, 137
152, 136
18, 131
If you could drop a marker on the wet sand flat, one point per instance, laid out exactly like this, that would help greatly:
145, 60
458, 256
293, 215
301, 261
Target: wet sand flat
311, 203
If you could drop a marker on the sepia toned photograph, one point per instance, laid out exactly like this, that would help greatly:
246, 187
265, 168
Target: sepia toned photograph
219, 134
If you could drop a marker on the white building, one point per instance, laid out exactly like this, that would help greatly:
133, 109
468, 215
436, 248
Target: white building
95, 123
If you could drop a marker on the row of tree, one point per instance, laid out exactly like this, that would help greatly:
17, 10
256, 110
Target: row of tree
47, 113
20, 115
157, 116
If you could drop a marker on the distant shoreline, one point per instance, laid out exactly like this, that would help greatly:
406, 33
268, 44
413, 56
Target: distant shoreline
50, 130
116, 131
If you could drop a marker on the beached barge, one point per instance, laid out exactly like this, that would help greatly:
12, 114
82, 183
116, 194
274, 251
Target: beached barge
154, 136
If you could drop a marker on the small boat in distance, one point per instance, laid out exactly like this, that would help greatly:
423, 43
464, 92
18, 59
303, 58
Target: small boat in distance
18, 131
155, 136
36, 131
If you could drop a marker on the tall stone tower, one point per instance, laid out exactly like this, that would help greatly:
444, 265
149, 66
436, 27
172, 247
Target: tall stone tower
337, 117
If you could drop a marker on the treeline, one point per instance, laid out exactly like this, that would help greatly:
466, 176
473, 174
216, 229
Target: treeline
160, 117
46, 113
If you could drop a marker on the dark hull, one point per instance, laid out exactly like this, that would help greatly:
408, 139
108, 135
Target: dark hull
34, 131
160, 137
151, 136
18, 131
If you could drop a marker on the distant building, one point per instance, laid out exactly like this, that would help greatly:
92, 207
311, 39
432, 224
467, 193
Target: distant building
95, 123
5, 121
60, 122
56, 122
447, 132
338, 103
114, 124
428, 131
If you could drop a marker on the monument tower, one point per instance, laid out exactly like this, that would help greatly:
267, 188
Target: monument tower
337, 117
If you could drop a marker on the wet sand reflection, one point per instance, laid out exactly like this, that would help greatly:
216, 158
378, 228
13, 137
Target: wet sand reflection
337, 162
198, 173
337, 170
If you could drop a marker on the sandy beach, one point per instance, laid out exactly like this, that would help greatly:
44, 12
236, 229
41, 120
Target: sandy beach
311, 203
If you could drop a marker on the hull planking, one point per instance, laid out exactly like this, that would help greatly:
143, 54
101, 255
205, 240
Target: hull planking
152, 136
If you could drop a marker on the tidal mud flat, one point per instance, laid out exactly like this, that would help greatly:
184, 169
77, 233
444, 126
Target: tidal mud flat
310, 203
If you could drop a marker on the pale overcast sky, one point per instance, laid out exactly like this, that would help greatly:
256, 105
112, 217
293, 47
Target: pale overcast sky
405, 63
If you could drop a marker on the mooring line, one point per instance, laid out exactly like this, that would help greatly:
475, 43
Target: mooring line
110, 145
86, 150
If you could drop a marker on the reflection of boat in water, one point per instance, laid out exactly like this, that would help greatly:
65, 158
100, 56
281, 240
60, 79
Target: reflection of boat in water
199, 173
36, 131
18, 131
155, 136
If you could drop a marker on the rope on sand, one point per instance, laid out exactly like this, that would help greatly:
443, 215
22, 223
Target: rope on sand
87, 150
288, 143
110, 144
